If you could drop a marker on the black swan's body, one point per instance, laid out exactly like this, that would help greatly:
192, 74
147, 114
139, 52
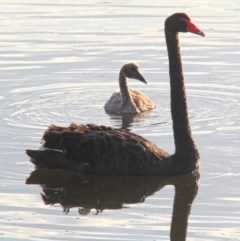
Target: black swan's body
128, 101
105, 150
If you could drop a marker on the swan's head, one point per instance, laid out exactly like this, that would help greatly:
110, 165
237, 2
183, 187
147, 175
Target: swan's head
131, 70
180, 22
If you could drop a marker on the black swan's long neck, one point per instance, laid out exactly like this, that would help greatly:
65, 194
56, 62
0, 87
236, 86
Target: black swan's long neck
184, 144
127, 102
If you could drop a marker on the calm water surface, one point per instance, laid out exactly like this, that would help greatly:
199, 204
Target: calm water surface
59, 63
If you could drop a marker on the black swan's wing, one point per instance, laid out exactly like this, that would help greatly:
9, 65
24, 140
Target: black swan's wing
99, 149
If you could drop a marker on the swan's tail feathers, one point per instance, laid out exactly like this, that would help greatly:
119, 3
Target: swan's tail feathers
50, 159
54, 136
52, 140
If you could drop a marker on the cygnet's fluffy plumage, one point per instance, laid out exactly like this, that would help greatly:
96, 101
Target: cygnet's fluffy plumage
129, 101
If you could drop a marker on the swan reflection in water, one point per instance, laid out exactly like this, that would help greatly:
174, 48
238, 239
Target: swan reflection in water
126, 121
101, 192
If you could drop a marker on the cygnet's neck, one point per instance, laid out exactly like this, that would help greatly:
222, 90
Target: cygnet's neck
128, 105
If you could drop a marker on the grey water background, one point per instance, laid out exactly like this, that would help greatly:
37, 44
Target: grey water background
59, 63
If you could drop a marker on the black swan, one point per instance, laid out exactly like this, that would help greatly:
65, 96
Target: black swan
105, 150
128, 101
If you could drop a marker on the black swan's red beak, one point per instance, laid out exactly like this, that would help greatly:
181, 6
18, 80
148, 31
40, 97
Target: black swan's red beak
191, 27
